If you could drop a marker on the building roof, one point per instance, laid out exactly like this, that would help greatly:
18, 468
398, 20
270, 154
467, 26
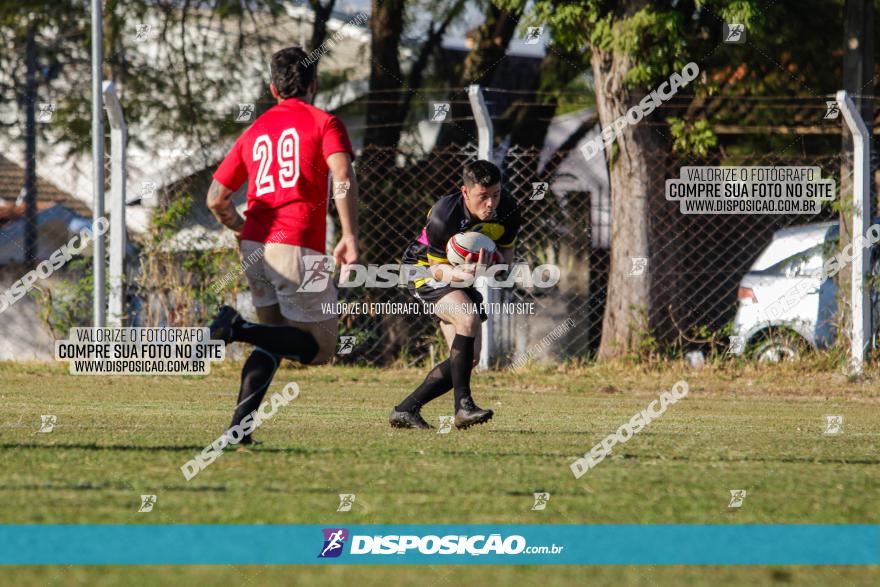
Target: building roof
12, 184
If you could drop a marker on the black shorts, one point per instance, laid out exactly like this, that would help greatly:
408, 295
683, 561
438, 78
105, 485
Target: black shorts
432, 295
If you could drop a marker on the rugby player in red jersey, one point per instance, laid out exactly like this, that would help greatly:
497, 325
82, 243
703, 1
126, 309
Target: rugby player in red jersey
286, 156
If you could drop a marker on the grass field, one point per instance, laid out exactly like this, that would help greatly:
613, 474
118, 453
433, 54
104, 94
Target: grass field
739, 428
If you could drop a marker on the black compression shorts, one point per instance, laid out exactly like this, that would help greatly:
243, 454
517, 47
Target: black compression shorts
433, 295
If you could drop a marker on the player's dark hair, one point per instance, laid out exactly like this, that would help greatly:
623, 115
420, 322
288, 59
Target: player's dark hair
292, 72
482, 172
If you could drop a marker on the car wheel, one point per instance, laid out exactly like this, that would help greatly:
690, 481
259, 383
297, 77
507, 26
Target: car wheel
777, 348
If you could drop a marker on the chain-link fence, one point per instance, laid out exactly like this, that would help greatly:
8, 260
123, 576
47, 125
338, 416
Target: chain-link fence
695, 266
695, 263
698, 261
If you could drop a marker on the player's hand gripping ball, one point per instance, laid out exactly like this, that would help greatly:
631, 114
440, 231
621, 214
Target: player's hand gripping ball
465, 243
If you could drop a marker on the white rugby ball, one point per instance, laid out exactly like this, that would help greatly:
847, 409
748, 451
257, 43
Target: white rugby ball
463, 243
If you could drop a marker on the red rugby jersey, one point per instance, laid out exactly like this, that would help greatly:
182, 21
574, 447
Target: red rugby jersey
283, 156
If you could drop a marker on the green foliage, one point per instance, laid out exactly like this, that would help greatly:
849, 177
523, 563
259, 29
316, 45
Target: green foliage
602, 34
691, 138
68, 303
185, 281
740, 11
169, 219
791, 54
652, 36
655, 39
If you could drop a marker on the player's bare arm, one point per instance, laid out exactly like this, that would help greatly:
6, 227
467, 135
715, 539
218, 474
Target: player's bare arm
220, 203
346, 251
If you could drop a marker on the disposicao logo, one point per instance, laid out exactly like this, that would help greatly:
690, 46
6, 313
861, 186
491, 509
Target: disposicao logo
334, 540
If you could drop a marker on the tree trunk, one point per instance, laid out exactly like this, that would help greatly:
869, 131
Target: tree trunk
489, 46
386, 26
385, 72
634, 182
417, 70
319, 27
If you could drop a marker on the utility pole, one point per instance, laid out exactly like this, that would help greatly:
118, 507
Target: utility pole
30, 159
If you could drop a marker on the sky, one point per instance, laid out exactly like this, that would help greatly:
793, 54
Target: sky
472, 17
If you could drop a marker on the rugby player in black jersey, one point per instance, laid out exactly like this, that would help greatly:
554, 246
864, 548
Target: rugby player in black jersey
479, 206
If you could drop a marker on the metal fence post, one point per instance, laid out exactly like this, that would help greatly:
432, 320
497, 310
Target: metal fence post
99, 301
860, 300
484, 150
118, 139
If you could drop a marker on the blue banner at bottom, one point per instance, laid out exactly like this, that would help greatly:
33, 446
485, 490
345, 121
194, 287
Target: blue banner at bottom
528, 544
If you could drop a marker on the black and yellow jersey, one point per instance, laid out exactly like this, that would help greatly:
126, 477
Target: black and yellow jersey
450, 216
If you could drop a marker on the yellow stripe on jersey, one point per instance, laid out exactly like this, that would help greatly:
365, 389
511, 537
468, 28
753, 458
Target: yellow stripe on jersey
491, 229
437, 259
507, 246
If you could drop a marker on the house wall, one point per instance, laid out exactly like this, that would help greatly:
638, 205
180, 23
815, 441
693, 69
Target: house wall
24, 336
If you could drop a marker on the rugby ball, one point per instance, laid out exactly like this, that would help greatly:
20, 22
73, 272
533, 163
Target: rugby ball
461, 244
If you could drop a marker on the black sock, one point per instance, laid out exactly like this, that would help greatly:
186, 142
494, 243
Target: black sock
256, 375
438, 382
283, 341
461, 359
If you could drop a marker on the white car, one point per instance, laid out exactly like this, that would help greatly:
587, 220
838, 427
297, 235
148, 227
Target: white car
784, 304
